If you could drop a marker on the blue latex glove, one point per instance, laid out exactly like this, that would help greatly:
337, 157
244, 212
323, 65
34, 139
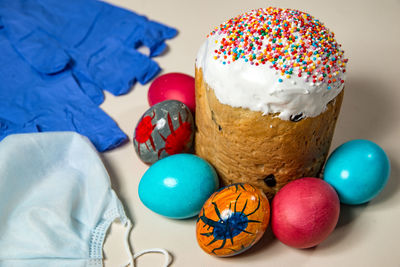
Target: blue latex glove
96, 40
31, 101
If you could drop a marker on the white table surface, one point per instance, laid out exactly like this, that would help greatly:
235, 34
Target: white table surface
366, 235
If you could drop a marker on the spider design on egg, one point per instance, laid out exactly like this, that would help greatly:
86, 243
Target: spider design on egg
143, 132
231, 223
179, 140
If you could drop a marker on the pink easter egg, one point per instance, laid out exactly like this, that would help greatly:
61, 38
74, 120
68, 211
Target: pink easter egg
304, 212
173, 86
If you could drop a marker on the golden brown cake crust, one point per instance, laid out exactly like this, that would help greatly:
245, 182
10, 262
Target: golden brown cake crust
246, 146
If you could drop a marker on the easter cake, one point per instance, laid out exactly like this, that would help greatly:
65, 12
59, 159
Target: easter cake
269, 86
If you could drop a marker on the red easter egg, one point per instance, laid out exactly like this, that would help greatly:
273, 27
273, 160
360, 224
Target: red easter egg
173, 86
304, 212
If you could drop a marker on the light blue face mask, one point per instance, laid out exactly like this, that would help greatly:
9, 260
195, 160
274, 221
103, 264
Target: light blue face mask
56, 202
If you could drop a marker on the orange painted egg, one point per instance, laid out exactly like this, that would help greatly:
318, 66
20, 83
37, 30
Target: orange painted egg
232, 220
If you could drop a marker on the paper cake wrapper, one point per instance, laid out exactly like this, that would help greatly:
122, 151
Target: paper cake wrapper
247, 147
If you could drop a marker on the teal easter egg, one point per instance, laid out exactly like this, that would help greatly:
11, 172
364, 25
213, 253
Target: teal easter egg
177, 186
358, 170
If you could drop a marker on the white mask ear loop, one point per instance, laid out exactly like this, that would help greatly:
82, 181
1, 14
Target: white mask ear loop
131, 262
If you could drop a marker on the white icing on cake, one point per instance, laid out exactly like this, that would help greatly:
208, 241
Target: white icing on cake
242, 83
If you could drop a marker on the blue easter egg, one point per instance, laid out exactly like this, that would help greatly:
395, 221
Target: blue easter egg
358, 170
177, 186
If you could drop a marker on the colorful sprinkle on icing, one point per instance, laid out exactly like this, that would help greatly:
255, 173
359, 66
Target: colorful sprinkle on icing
290, 41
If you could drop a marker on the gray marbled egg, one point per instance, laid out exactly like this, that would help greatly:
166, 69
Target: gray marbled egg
165, 129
